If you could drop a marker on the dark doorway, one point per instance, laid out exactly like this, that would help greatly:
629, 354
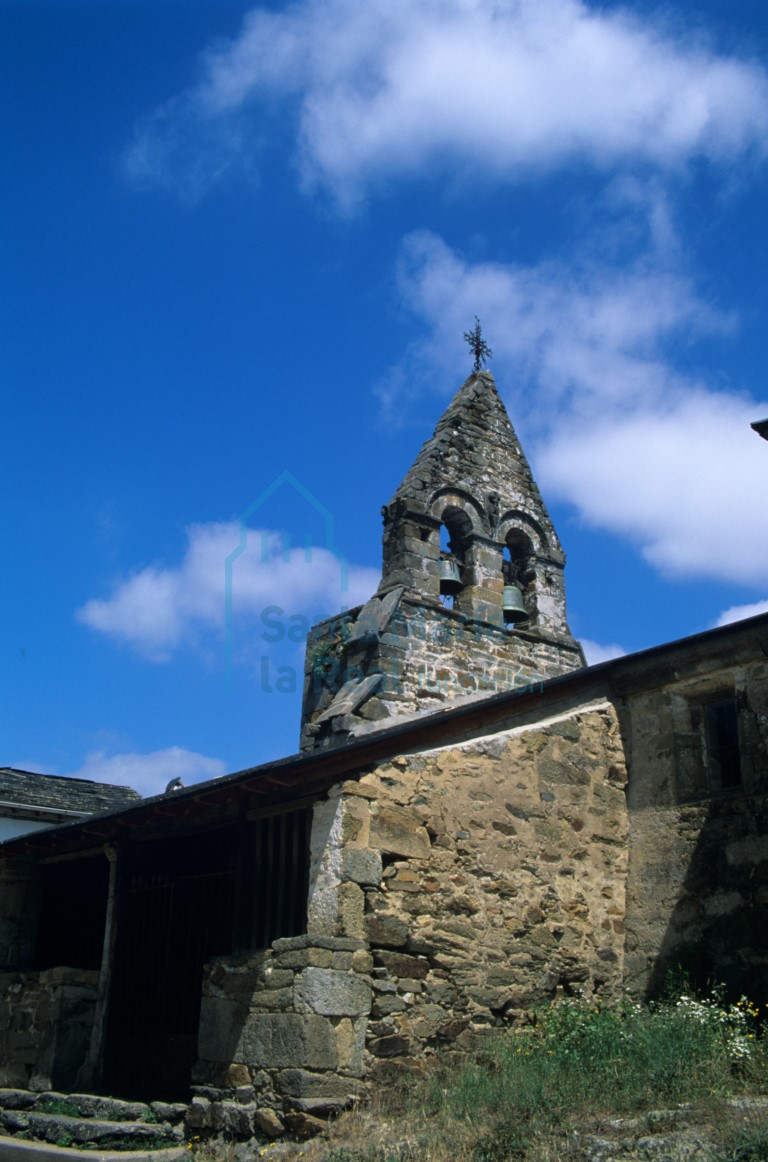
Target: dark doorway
72, 911
182, 901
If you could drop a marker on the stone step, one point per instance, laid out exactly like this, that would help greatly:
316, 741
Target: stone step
13, 1150
86, 1105
89, 1122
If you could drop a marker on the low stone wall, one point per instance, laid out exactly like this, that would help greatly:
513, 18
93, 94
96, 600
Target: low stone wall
282, 1035
46, 1021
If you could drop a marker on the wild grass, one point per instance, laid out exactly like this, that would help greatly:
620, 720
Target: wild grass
536, 1092
591, 1060
59, 1106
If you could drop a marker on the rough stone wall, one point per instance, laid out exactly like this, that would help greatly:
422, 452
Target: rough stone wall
503, 866
450, 891
46, 1020
697, 891
285, 1030
422, 658
698, 897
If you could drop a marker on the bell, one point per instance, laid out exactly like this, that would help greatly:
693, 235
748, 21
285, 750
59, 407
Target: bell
450, 578
513, 604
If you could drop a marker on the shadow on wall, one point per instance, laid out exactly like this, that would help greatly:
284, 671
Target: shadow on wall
717, 931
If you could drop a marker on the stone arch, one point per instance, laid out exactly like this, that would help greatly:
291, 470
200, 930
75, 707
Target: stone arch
455, 546
516, 522
520, 552
459, 528
461, 516
519, 543
457, 500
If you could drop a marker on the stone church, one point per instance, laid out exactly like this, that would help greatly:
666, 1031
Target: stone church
477, 822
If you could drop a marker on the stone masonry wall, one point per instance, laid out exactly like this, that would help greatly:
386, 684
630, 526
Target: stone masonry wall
426, 656
450, 891
45, 1027
431, 655
697, 895
503, 866
282, 1035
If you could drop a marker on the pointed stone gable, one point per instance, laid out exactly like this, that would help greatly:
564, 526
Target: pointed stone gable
468, 520
475, 472
475, 441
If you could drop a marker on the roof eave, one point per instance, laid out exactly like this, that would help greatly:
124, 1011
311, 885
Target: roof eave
312, 774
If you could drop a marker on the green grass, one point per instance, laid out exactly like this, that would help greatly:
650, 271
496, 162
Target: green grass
60, 1106
584, 1060
577, 1057
127, 1145
748, 1145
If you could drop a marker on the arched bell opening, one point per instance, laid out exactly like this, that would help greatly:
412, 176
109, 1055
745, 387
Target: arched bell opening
519, 575
455, 529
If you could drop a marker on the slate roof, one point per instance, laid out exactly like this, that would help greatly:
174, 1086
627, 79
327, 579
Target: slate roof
26, 788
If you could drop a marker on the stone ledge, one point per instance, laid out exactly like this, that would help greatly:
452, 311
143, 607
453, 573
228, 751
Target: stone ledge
332, 943
65, 975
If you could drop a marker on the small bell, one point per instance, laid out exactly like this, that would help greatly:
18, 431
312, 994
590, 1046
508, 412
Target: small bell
450, 577
513, 604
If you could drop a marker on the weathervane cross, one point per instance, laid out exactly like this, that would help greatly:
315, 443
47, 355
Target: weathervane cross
478, 345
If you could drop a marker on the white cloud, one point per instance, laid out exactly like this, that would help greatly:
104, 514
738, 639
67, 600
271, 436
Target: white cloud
150, 773
741, 612
581, 337
685, 481
596, 653
592, 352
159, 608
182, 146
392, 87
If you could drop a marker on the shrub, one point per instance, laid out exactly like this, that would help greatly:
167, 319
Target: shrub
749, 1145
585, 1058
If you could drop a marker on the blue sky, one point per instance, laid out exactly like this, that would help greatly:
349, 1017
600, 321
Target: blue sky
240, 246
